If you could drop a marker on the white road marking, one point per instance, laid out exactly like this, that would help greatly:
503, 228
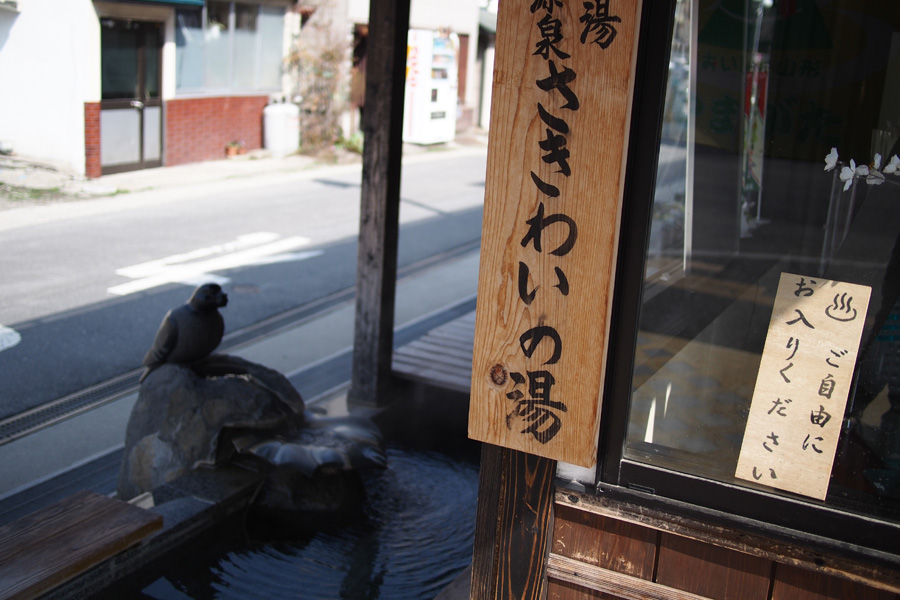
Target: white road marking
189, 269
154, 267
8, 338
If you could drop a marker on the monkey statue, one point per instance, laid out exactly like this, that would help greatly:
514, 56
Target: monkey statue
189, 332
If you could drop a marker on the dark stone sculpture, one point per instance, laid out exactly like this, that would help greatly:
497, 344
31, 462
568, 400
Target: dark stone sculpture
181, 418
189, 332
214, 409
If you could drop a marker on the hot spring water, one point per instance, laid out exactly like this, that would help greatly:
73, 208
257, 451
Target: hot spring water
411, 538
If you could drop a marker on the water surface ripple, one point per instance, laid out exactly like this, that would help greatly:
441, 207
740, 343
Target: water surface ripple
413, 537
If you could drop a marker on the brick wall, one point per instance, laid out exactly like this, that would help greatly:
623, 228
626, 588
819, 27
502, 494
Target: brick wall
198, 129
92, 139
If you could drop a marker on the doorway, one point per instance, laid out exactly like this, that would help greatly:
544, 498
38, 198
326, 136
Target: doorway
130, 106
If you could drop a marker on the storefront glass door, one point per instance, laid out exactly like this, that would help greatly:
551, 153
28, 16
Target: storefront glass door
131, 108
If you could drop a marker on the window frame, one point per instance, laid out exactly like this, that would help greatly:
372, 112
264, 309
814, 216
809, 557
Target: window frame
813, 525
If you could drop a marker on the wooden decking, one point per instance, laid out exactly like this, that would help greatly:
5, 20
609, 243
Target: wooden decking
54, 544
442, 357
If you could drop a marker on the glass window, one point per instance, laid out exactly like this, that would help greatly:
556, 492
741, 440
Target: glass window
189, 44
239, 47
128, 48
749, 188
245, 41
271, 33
217, 45
119, 54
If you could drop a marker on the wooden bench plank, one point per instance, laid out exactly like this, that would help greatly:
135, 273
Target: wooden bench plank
441, 357
440, 341
427, 355
463, 336
450, 371
415, 367
48, 547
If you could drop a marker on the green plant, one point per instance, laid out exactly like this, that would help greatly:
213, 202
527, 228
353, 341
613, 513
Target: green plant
353, 144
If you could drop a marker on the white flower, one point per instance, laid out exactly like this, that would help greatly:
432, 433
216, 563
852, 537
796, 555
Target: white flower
876, 164
847, 174
875, 177
831, 159
893, 166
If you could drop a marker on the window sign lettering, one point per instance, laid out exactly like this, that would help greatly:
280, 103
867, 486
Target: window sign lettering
548, 244
803, 383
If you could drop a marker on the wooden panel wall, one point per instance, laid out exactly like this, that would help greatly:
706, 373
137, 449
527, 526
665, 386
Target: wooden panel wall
598, 556
709, 571
792, 583
625, 548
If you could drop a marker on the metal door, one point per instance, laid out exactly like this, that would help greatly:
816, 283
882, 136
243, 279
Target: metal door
130, 107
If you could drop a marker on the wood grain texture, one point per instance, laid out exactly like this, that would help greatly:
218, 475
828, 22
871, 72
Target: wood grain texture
524, 527
512, 525
512, 265
443, 356
379, 218
564, 590
712, 572
612, 584
793, 583
44, 549
491, 495
604, 542
805, 377
806, 553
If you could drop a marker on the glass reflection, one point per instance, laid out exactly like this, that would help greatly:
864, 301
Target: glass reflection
759, 93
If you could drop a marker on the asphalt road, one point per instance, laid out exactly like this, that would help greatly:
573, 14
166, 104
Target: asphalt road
81, 298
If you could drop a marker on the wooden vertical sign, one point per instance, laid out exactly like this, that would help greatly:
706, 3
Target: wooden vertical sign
563, 82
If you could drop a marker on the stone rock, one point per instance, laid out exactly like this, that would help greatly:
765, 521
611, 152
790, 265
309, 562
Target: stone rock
184, 417
225, 411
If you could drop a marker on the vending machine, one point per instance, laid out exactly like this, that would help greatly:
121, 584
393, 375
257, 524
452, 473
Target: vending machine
430, 105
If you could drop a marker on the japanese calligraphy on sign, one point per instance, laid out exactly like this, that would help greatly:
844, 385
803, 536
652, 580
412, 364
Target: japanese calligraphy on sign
564, 73
803, 384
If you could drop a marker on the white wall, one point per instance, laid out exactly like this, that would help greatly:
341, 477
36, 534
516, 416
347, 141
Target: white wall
358, 11
49, 67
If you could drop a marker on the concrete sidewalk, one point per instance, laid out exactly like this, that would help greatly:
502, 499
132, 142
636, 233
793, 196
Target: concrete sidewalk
32, 193
51, 183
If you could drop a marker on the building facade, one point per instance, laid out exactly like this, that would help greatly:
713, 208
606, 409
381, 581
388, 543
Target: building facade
98, 87
102, 87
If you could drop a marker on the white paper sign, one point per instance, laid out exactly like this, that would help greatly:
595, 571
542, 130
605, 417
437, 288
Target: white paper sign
803, 384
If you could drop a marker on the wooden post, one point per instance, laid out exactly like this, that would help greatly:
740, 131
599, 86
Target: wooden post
560, 121
376, 274
515, 496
